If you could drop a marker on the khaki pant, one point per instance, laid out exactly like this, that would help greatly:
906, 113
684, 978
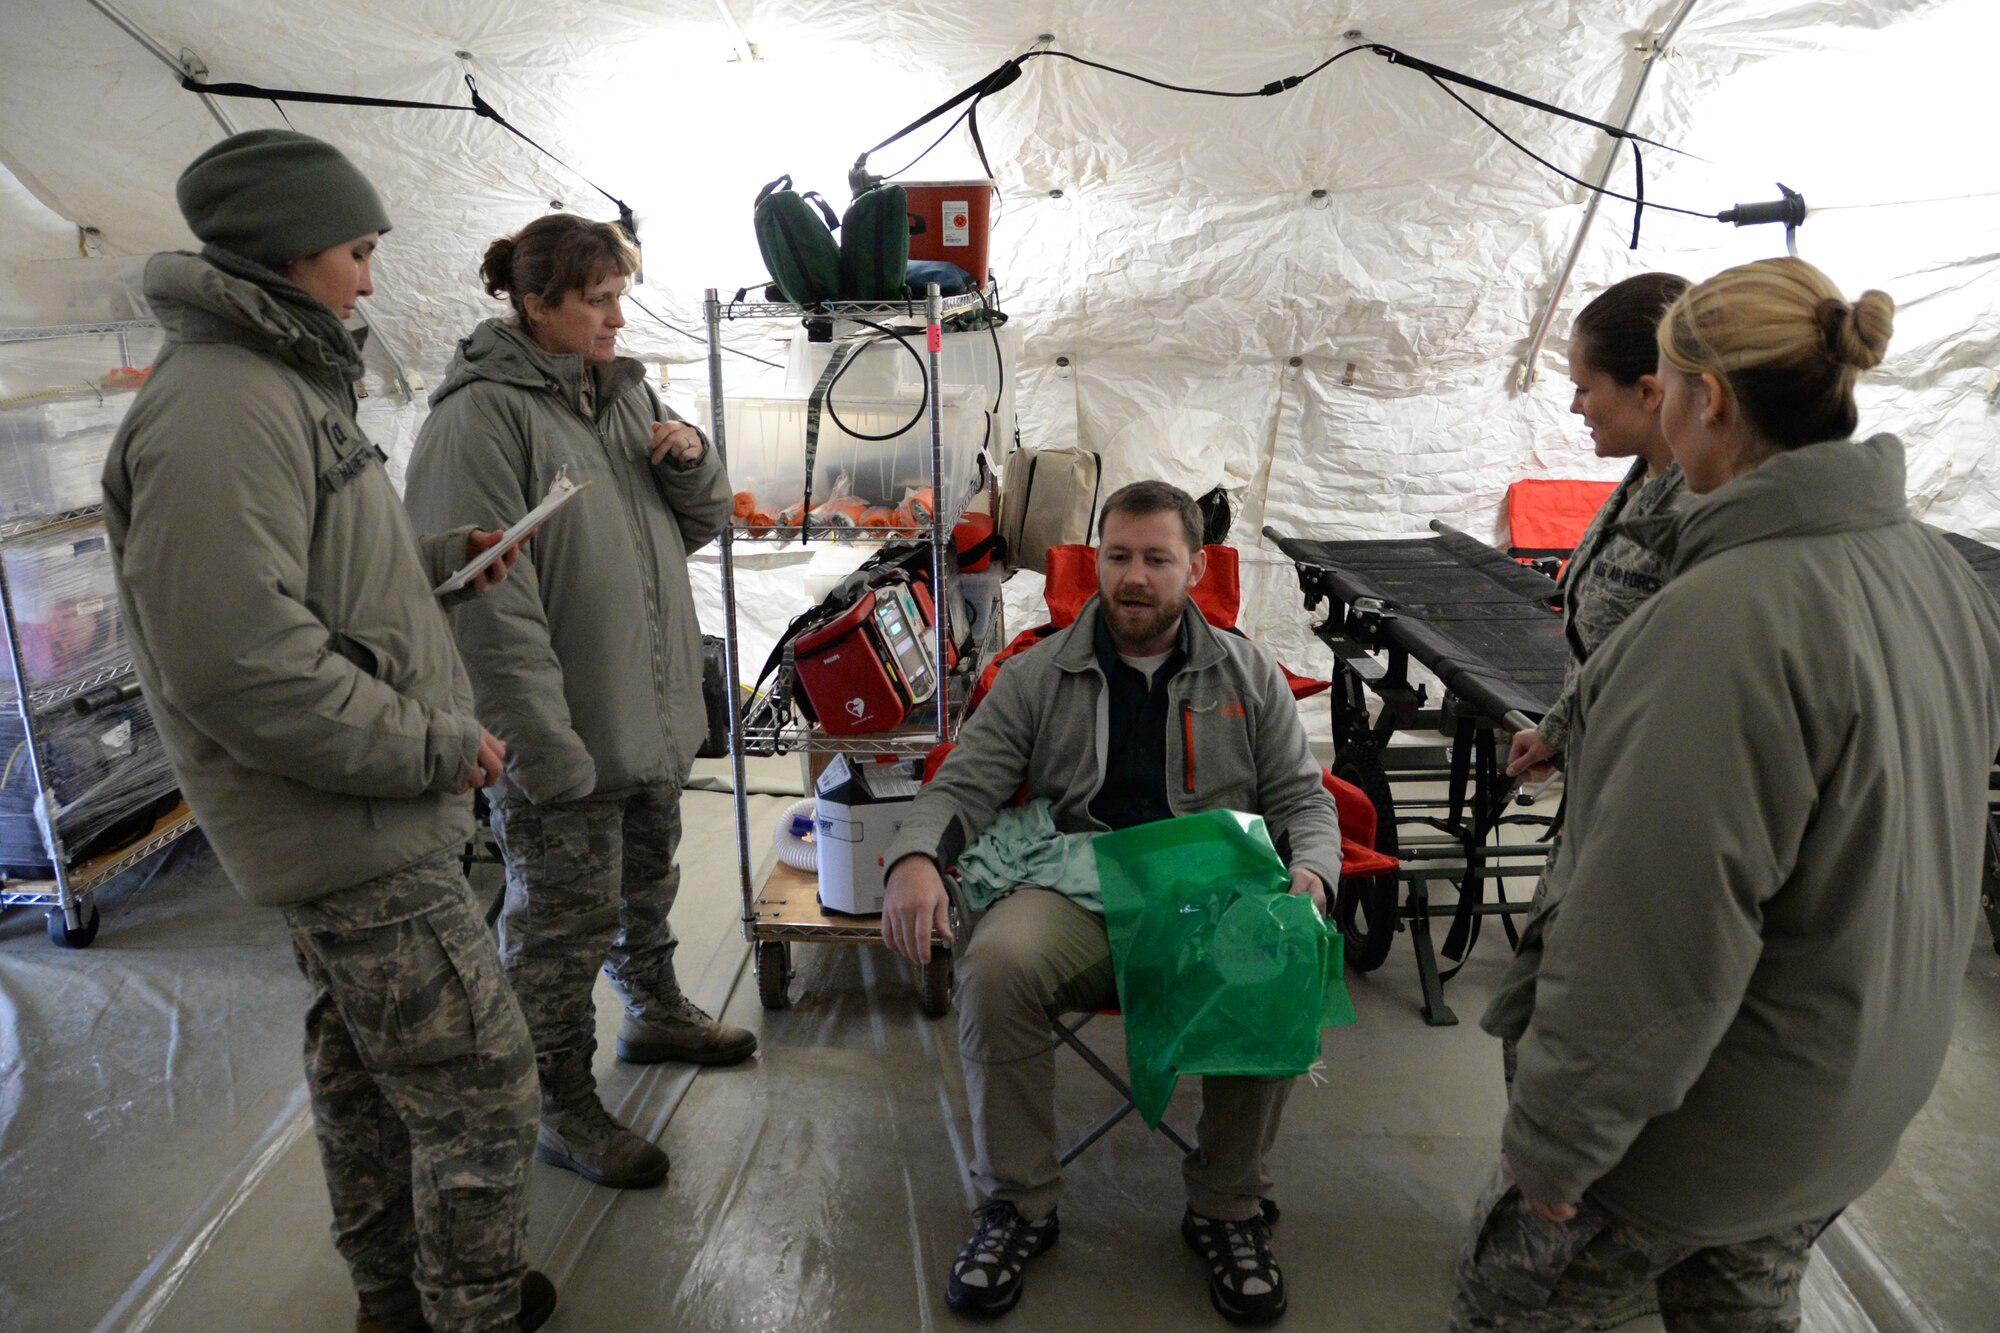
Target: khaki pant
1519, 1273
423, 1095
1035, 955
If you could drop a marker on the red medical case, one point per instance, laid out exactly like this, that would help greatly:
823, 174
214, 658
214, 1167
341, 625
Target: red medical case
868, 667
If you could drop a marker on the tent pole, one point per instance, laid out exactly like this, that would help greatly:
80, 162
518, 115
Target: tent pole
1655, 46
160, 53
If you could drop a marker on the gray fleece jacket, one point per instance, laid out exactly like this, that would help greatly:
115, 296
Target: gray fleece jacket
1046, 724
1771, 866
586, 661
277, 600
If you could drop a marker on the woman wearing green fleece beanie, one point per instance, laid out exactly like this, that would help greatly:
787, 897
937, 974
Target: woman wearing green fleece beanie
277, 195
303, 679
291, 203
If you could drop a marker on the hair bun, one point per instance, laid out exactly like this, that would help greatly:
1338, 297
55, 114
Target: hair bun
496, 270
1855, 335
1865, 332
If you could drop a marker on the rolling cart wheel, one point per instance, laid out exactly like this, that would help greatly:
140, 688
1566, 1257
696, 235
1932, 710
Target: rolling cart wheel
774, 974
934, 986
63, 937
1365, 909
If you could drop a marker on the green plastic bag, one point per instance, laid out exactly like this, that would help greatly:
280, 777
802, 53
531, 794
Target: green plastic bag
1220, 970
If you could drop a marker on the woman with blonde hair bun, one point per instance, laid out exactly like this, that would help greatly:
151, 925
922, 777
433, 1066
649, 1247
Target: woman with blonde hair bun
1770, 871
1777, 338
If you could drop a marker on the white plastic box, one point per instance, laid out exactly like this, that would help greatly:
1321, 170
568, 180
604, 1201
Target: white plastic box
859, 808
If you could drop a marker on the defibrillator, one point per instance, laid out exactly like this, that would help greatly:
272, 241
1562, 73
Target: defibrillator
870, 667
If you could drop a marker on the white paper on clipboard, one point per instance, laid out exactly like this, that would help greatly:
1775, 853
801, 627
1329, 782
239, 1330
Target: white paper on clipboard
561, 491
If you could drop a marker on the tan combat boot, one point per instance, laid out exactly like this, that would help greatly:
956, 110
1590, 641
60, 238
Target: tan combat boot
678, 1029
585, 1139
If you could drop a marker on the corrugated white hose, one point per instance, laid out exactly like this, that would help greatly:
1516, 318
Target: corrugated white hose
793, 837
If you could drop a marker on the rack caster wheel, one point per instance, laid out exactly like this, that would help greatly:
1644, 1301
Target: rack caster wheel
63, 937
774, 974
934, 985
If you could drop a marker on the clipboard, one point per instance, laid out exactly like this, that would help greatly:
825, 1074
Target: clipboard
561, 491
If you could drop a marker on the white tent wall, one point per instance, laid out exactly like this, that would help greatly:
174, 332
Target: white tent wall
1347, 365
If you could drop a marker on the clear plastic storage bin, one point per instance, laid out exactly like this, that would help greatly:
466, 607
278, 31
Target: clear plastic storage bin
52, 449
857, 482
65, 606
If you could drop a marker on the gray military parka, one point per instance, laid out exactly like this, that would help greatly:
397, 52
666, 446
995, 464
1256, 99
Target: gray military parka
1771, 868
586, 661
277, 601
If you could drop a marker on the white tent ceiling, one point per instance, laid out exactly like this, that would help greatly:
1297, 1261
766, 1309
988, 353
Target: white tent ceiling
1360, 352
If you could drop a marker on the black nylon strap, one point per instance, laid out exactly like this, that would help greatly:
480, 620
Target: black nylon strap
818, 200
814, 406
1638, 192
1464, 923
480, 107
972, 127
293, 95
626, 222
1395, 57
1003, 75
783, 182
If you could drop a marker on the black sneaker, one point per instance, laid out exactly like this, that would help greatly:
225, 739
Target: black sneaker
1243, 1279
986, 1276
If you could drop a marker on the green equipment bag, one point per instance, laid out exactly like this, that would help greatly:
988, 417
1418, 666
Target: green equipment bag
1220, 969
875, 244
795, 234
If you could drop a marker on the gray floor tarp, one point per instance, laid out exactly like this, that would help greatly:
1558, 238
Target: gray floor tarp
157, 1169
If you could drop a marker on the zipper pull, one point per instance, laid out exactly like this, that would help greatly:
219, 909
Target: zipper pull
1187, 742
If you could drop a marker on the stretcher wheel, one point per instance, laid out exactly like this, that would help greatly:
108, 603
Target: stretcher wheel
934, 986
1365, 909
63, 937
774, 974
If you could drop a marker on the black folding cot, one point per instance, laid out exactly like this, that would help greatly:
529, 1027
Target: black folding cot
1487, 628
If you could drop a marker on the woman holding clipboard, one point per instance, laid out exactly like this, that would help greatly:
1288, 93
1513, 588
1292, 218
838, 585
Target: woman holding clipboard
587, 662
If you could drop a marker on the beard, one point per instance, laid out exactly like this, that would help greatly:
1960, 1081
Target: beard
1136, 621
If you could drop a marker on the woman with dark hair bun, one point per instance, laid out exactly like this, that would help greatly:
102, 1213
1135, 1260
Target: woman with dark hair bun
1612, 355
589, 665
1776, 831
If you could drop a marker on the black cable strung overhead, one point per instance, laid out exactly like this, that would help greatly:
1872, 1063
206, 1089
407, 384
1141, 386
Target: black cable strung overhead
859, 178
1789, 210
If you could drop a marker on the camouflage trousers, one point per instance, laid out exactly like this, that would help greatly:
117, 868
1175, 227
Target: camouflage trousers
1519, 1273
589, 885
423, 1093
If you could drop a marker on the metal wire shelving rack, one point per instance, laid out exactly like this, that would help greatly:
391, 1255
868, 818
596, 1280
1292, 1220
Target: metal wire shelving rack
784, 908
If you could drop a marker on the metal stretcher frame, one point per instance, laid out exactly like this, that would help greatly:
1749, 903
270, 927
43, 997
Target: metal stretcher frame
1488, 629
1985, 562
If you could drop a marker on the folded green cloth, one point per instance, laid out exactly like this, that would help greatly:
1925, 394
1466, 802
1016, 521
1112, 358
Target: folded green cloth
1023, 846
